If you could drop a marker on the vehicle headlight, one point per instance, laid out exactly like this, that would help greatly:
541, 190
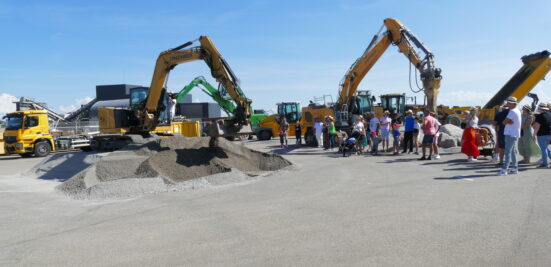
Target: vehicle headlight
19, 146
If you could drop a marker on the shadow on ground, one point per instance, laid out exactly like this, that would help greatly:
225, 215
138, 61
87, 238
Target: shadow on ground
62, 166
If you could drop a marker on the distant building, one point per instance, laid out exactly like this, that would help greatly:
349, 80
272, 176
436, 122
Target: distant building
118, 96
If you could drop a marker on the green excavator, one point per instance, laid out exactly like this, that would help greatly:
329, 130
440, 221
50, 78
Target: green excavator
221, 97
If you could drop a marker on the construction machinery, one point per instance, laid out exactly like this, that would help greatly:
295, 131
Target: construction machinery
396, 34
149, 106
220, 96
535, 67
351, 102
28, 134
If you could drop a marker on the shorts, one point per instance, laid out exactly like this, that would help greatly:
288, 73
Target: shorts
385, 134
428, 139
397, 140
415, 132
501, 141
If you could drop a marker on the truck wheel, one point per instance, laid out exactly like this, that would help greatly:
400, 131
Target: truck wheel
453, 119
264, 135
42, 149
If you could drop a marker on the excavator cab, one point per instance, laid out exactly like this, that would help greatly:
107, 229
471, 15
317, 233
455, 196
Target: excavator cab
364, 103
138, 98
394, 103
290, 110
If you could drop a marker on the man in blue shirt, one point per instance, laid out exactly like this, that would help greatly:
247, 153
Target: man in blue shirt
408, 131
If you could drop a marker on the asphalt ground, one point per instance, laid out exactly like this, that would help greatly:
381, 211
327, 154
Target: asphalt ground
327, 211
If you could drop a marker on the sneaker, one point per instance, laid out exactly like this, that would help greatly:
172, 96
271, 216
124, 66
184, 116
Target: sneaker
436, 156
542, 166
540, 161
495, 159
513, 171
502, 172
416, 153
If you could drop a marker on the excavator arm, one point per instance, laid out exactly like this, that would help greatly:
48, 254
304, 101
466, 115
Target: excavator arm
215, 94
399, 35
220, 70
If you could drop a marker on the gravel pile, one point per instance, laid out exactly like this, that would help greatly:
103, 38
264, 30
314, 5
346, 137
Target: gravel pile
164, 164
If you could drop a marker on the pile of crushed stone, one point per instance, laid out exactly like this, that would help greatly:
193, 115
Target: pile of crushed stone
164, 164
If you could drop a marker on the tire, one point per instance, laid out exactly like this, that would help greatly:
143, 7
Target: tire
453, 119
86, 148
310, 138
42, 149
264, 136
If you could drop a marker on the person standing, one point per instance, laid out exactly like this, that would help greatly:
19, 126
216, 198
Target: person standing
283, 128
358, 132
416, 129
396, 138
542, 133
527, 146
409, 122
326, 133
298, 132
436, 154
500, 129
468, 142
385, 130
512, 134
429, 129
332, 130
374, 128
318, 130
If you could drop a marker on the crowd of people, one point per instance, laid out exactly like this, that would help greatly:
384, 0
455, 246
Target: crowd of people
517, 131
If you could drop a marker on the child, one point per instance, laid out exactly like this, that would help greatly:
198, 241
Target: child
396, 136
375, 139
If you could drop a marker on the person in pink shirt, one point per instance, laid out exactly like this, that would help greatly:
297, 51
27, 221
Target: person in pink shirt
429, 129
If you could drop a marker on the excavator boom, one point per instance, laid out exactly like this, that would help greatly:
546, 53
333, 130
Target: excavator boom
399, 35
220, 70
224, 103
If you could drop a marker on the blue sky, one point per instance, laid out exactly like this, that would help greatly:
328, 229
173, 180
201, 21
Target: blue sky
58, 51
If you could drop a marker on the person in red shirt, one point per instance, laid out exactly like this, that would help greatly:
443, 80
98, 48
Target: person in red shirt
429, 129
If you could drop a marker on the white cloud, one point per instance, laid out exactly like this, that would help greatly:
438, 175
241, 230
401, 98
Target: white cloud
6, 103
76, 105
464, 97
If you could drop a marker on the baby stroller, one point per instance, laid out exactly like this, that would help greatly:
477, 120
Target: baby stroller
485, 140
348, 146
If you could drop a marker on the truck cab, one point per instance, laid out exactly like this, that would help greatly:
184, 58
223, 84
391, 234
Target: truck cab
28, 133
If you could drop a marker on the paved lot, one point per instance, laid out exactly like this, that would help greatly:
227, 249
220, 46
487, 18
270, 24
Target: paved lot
330, 211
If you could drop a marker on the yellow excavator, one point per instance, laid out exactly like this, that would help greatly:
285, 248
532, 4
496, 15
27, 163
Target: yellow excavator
149, 106
352, 102
395, 34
